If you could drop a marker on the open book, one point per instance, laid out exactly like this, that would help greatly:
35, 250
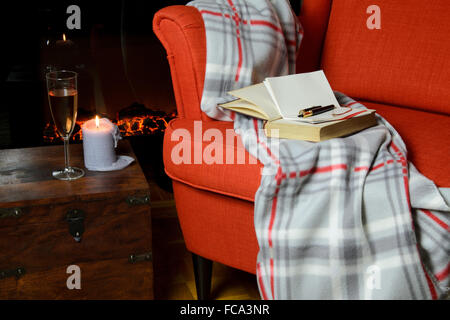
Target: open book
279, 100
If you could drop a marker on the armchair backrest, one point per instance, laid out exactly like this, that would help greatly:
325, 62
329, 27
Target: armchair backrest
181, 31
405, 63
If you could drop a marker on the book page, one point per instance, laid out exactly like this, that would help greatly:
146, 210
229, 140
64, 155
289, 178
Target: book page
296, 92
245, 107
257, 94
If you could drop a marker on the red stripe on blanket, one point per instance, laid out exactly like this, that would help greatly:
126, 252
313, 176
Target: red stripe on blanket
378, 166
219, 14
292, 43
406, 184
443, 274
279, 178
314, 170
430, 283
348, 105
261, 283
274, 158
255, 126
238, 71
353, 115
271, 279
273, 213
237, 19
435, 219
267, 24
405, 174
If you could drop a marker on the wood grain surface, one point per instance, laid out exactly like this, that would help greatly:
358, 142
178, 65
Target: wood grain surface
38, 240
36, 246
107, 279
26, 176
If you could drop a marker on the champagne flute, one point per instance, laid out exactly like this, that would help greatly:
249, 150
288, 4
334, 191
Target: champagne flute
63, 101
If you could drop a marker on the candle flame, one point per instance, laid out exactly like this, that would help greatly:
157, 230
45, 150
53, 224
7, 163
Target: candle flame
64, 37
97, 122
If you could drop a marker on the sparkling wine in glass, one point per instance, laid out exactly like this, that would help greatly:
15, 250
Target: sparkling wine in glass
63, 101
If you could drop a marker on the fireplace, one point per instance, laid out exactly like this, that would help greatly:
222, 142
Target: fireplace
143, 127
132, 121
122, 69
118, 58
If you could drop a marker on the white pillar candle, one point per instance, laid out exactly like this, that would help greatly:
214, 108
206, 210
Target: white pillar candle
99, 141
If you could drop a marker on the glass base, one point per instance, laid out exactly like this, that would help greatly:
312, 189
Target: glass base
71, 173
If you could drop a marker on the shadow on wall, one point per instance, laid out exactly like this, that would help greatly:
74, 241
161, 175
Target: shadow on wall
130, 63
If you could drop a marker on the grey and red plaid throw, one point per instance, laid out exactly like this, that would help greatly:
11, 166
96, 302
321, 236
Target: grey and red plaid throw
347, 218
241, 37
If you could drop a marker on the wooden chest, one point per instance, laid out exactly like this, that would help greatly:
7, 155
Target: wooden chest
41, 220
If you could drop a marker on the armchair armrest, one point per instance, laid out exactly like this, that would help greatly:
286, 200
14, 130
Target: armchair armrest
182, 33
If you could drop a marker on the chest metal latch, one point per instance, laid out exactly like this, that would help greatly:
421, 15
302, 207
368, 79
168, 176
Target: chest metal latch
136, 200
10, 212
140, 257
75, 219
17, 272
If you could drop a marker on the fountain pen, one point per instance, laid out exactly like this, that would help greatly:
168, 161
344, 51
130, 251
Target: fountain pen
309, 112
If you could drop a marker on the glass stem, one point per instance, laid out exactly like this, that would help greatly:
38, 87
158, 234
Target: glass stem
66, 154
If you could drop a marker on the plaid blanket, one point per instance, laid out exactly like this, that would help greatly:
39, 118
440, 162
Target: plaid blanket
346, 218
334, 220
242, 35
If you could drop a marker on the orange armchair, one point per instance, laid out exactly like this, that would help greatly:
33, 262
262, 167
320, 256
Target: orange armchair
215, 202
215, 212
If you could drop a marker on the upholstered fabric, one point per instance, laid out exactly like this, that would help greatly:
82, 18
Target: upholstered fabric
182, 32
426, 136
236, 180
405, 63
217, 227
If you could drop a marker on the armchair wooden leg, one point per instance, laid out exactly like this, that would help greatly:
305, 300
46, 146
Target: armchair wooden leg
203, 273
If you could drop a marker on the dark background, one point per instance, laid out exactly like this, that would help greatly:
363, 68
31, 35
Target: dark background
26, 27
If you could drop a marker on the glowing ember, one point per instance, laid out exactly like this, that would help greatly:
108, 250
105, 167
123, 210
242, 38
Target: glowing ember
138, 126
128, 126
51, 135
